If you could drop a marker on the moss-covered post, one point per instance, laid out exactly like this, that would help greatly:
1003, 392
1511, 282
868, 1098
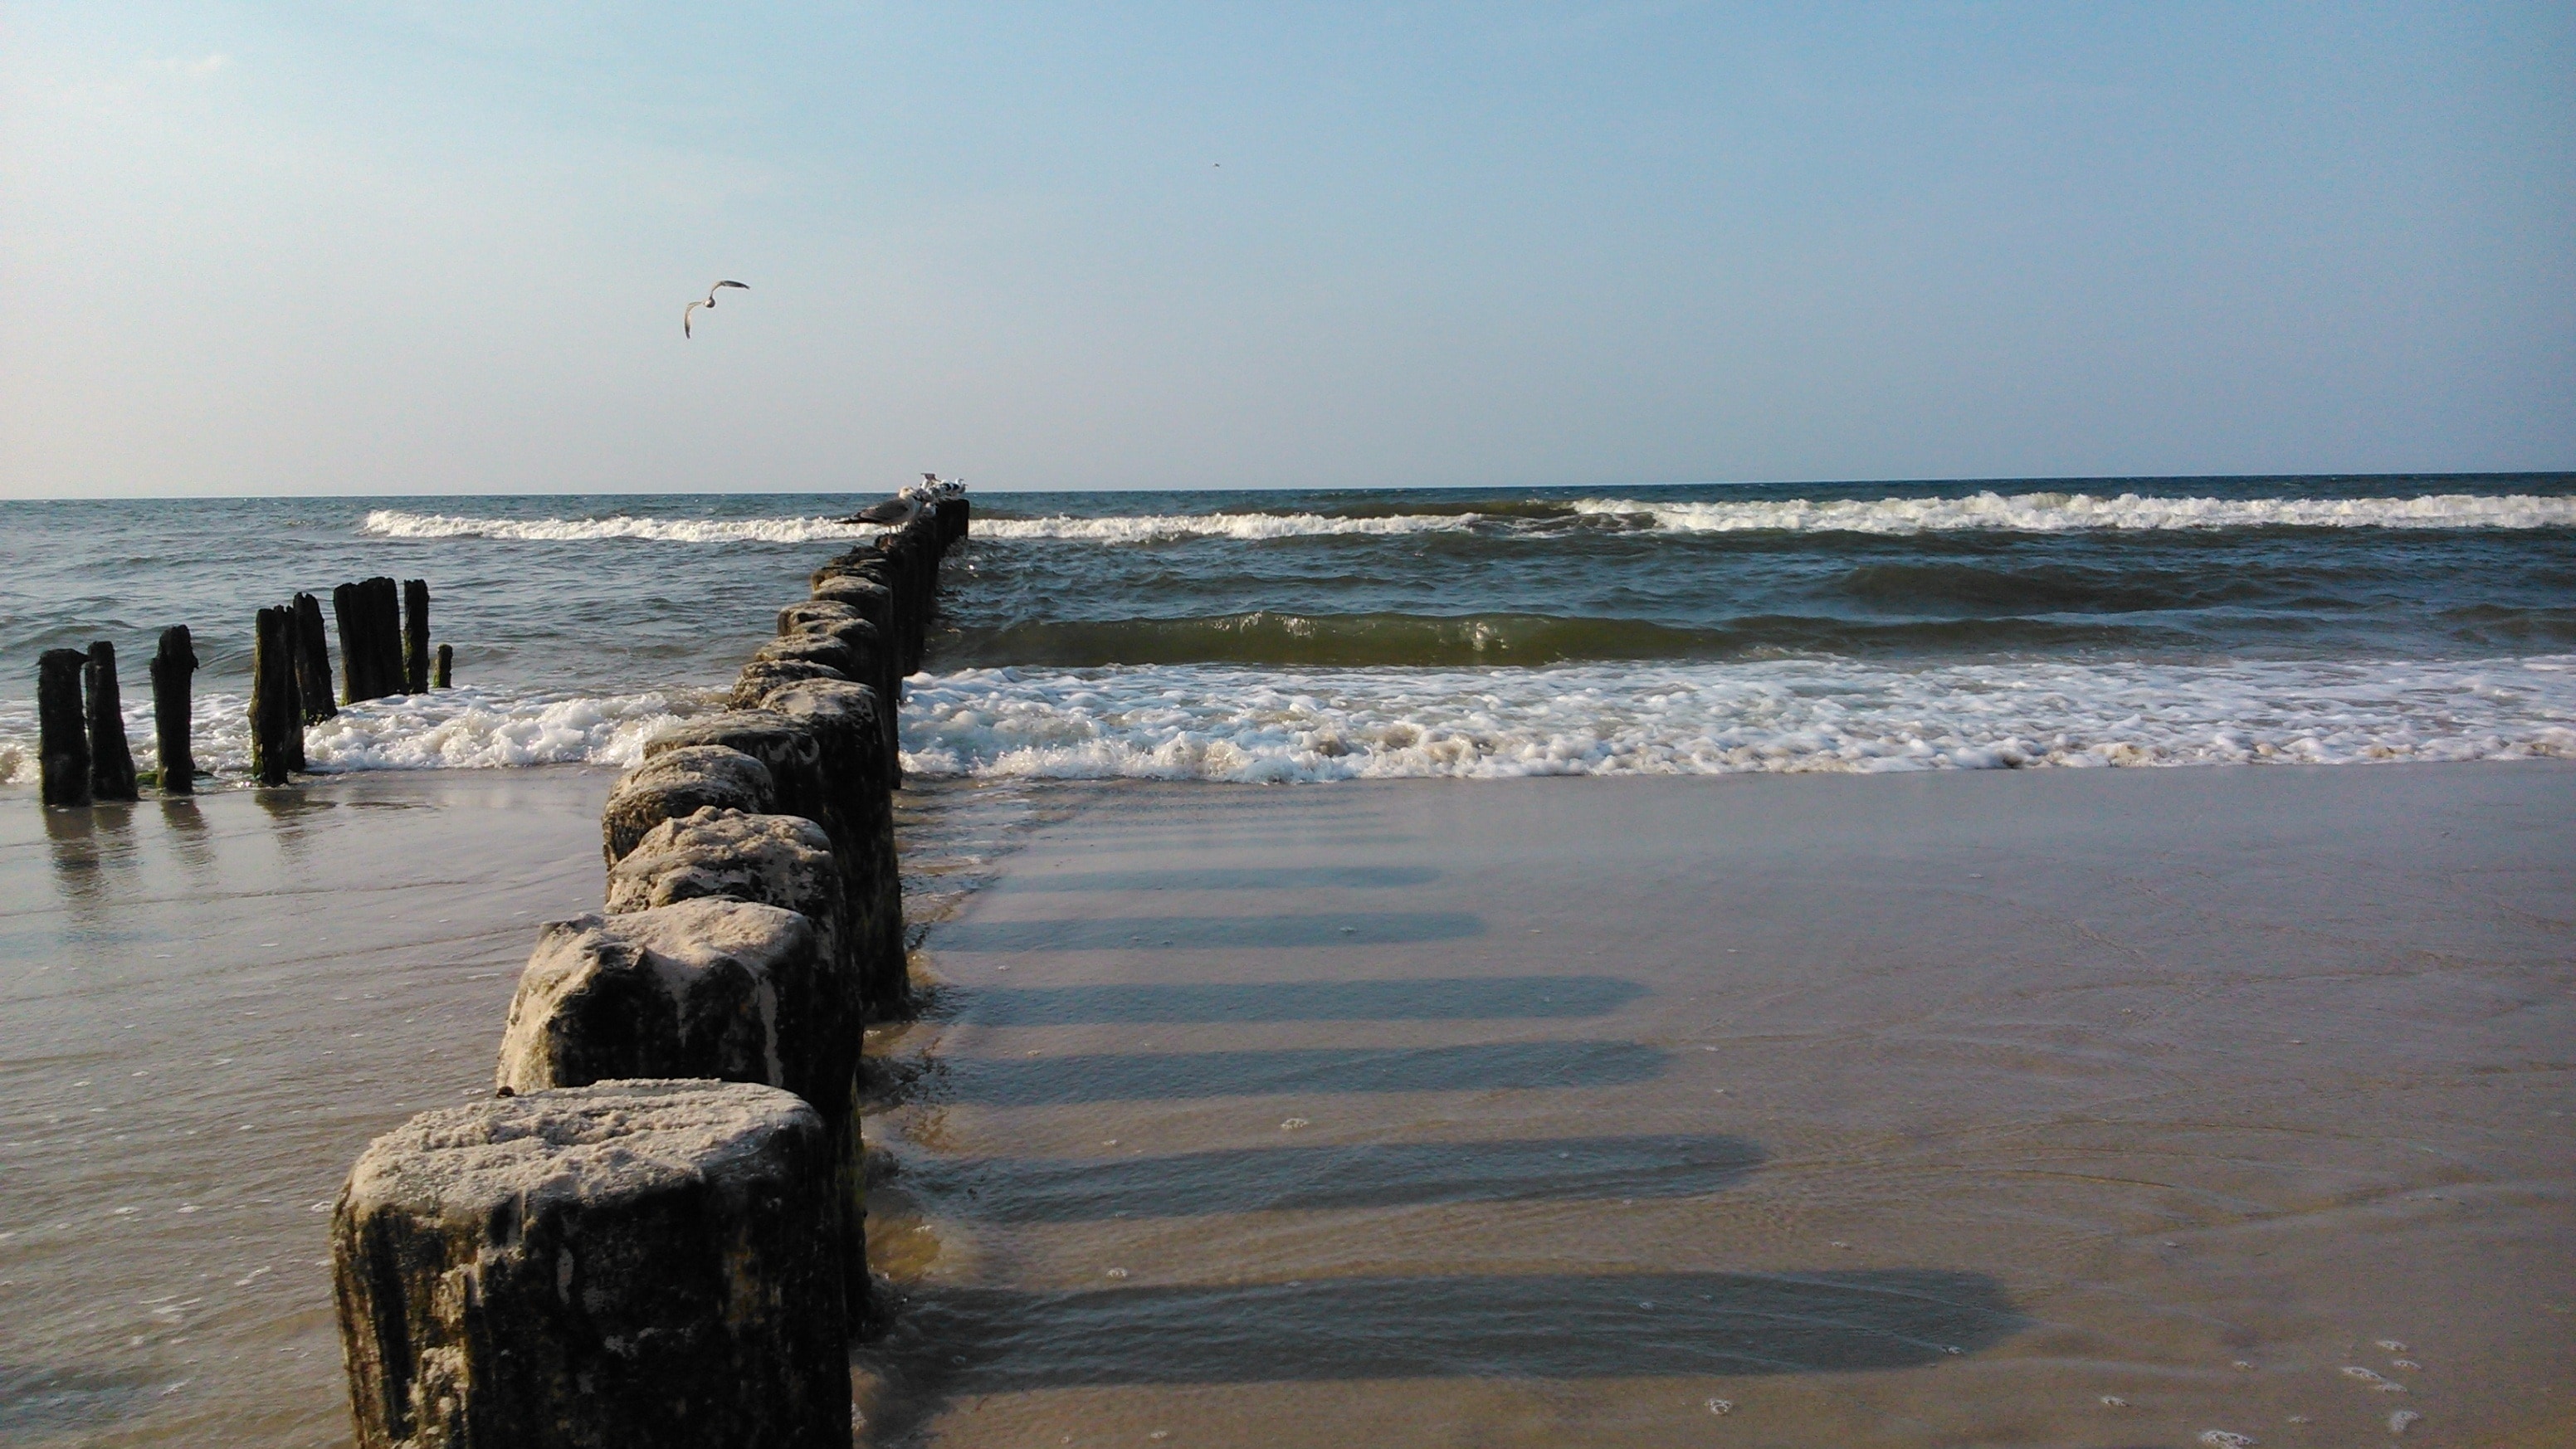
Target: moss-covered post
415, 597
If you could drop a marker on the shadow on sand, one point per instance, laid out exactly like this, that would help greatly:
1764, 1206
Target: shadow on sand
1153, 933
1037, 1081
955, 1342
1456, 998
1362, 1175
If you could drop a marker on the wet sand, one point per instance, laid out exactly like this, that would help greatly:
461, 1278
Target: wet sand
1916, 1110
1426, 1113
209, 1008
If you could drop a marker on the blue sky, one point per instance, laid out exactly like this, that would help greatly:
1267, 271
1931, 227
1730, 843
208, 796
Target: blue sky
308, 248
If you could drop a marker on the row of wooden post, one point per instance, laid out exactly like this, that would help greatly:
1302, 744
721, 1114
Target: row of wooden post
708, 1021
80, 714
384, 650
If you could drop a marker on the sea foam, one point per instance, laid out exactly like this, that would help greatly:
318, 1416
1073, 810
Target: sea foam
395, 523
1987, 510
1211, 722
2076, 512
447, 729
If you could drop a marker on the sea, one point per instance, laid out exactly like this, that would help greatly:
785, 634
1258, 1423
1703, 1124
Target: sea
1316, 635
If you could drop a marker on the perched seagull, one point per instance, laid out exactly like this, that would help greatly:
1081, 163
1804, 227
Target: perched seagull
709, 302
896, 511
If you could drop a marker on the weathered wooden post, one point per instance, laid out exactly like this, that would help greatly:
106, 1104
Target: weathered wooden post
415, 597
312, 661
172, 664
446, 666
371, 639
276, 721
844, 719
681, 782
704, 987
62, 745
111, 759
357, 677
630, 1264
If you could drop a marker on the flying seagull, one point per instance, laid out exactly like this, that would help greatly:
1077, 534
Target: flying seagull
709, 302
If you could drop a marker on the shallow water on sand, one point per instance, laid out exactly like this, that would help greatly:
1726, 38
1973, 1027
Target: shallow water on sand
1879, 1111
2032, 1109
210, 1007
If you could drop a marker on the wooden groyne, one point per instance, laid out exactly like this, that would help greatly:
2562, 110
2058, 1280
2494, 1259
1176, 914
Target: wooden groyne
384, 650
655, 1234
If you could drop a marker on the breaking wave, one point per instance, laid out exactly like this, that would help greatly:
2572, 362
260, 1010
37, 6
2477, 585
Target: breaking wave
1537, 518
1213, 722
1153, 528
447, 729
2074, 512
395, 523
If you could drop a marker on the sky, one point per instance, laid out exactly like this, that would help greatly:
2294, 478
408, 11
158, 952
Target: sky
407, 248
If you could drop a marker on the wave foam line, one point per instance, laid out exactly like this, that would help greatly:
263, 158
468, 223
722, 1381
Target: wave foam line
2078, 512
447, 729
1152, 528
1221, 723
395, 523
2021, 512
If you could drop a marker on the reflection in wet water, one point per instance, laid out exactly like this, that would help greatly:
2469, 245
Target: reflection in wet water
1454, 998
1359, 1175
1022, 1082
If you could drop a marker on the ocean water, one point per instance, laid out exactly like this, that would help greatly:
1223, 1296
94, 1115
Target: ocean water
1307, 635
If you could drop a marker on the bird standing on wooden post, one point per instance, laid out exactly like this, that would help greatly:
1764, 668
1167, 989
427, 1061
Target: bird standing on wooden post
710, 302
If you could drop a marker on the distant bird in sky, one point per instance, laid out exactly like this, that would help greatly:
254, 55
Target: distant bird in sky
709, 302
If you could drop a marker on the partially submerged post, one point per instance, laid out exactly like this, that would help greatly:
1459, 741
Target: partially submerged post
371, 643
415, 597
172, 663
312, 661
111, 759
627, 1264
446, 665
276, 721
62, 745
357, 668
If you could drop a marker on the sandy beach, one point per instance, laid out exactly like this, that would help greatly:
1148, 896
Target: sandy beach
2057, 1107
1879, 1110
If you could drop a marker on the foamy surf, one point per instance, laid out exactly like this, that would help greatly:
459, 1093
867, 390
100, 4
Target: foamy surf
1152, 528
396, 523
2077, 512
448, 729
1221, 723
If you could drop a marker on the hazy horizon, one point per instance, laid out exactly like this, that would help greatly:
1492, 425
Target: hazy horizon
290, 250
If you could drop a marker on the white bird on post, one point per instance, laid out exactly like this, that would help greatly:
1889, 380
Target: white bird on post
709, 303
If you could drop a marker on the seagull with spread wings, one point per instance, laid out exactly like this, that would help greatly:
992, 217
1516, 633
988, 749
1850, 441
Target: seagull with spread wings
709, 303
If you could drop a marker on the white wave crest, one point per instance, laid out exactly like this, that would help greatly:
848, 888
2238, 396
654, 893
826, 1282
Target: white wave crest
447, 729
395, 523
2077, 512
1149, 528
1220, 723
2020, 512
